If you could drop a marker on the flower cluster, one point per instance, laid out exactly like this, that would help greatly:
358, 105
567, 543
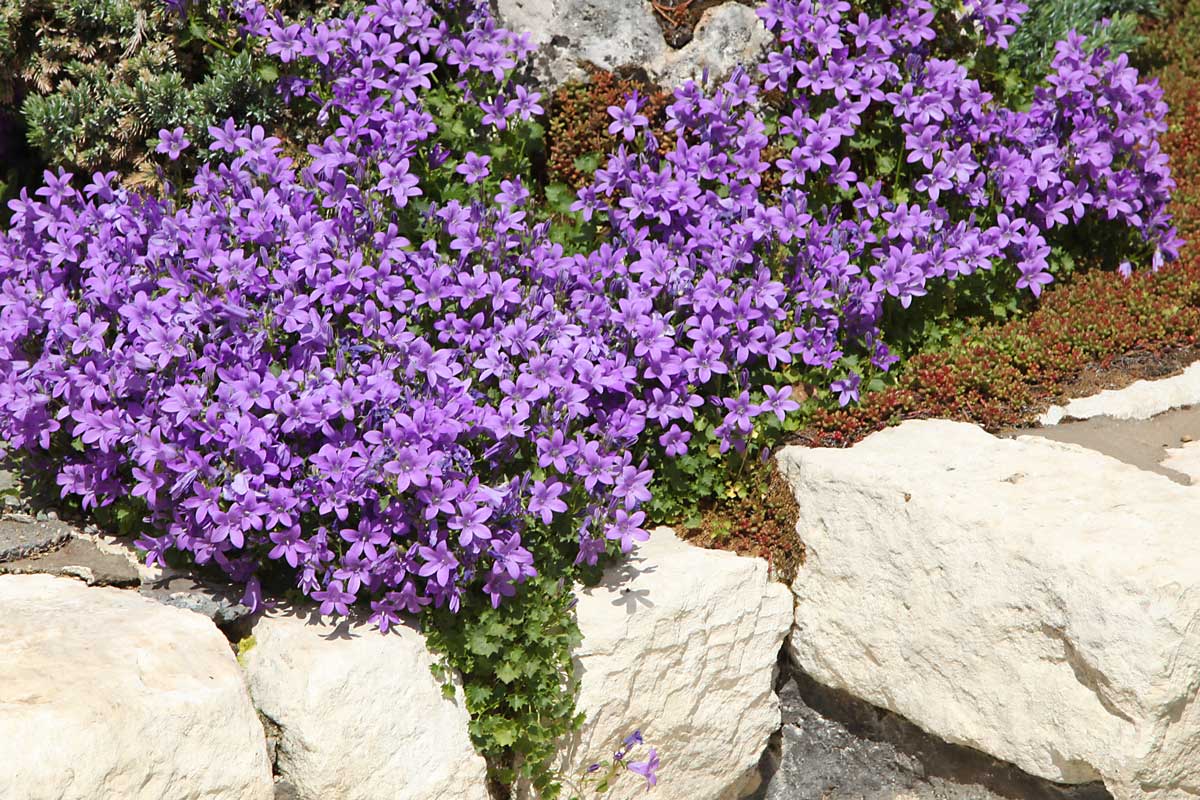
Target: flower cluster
402, 391
279, 375
805, 272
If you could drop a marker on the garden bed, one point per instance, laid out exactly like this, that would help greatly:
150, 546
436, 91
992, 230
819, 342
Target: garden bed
399, 341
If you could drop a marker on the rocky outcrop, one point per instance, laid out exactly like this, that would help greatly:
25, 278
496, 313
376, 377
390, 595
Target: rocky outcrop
1033, 600
76, 558
727, 36
681, 643
613, 34
835, 747
107, 695
1139, 400
573, 33
359, 714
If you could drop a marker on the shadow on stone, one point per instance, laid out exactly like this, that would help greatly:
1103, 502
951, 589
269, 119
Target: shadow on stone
220, 603
833, 746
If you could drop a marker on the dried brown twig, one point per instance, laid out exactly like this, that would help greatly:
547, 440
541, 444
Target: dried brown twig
669, 9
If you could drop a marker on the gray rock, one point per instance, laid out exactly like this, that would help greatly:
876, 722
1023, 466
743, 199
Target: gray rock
220, 604
358, 714
1034, 600
571, 33
682, 642
22, 537
835, 747
77, 558
625, 34
727, 36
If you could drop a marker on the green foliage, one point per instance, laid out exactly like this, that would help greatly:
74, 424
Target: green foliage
1031, 48
705, 476
95, 80
517, 676
515, 660
1001, 375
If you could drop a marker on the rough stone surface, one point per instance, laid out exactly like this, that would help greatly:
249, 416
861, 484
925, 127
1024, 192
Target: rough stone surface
1033, 600
122, 547
616, 34
77, 558
221, 604
179, 588
360, 715
22, 537
682, 644
1185, 460
1139, 400
726, 36
106, 695
834, 747
570, 33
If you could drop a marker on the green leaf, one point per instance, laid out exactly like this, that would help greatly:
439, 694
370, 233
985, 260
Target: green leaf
559, 197
588, 163
507, 672
864, 142
477, 695
196, 28
481, 644
505, 734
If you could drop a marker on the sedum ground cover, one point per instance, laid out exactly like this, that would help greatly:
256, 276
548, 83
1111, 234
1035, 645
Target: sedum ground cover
366, 359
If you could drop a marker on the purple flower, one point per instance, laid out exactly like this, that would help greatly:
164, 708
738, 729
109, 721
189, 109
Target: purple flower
544, 500
627, 119
846, 389
439, 564
333, 599
648, 769
298, 363
779, 401
626, 529
474, 167
173, 143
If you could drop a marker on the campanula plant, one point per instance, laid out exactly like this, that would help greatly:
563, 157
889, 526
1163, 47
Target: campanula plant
604, 776
896, 173
370, 366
